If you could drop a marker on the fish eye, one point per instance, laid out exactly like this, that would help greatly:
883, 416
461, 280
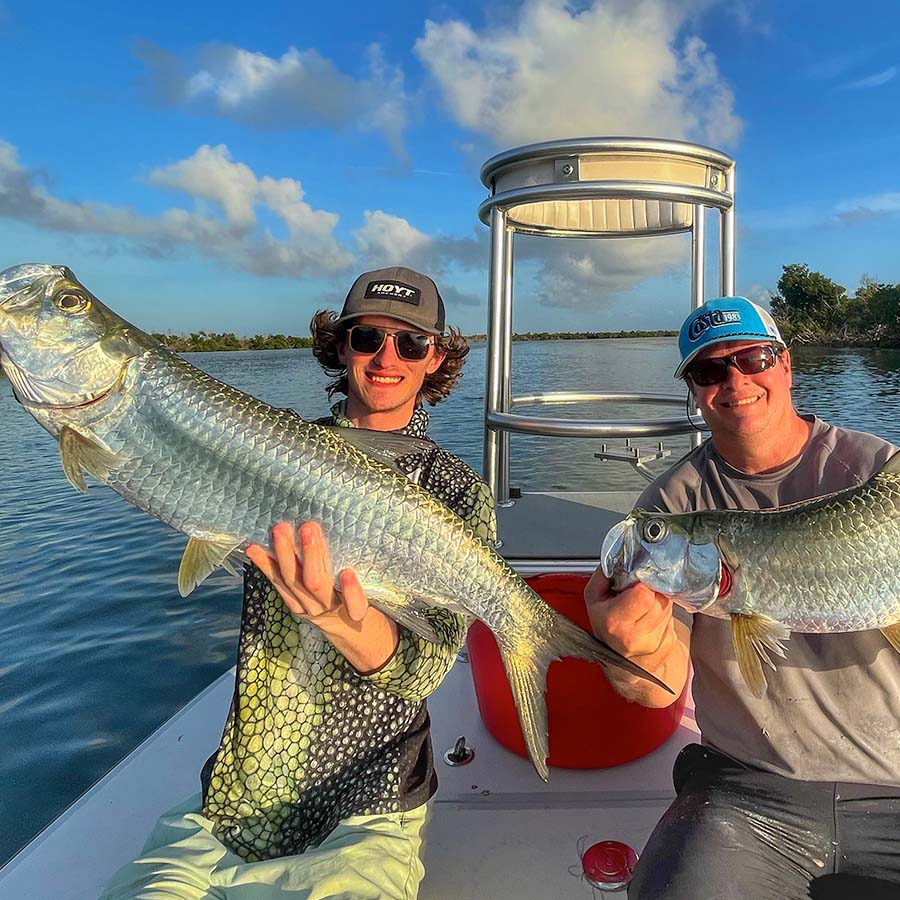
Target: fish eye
73, 303
654, 531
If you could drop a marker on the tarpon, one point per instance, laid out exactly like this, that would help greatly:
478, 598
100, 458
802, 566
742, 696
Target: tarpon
823, 565
223, 467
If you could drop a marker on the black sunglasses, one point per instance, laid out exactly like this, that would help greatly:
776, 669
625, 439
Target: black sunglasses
750, 361
369, 339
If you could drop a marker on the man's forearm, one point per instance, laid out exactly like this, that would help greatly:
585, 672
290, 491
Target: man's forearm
419, 666
368, 645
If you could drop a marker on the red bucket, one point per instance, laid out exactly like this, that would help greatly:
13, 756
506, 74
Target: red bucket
590, 725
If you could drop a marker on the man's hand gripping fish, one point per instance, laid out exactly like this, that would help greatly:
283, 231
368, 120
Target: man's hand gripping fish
826, 565
223, 468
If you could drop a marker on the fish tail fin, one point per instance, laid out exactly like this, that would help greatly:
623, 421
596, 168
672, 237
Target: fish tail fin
527, 676
527, 673
569, 639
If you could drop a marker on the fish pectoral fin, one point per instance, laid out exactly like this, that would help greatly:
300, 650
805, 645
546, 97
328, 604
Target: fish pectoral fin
402, 609
79, 453
202, 557
892, 633
753, 638
385, 446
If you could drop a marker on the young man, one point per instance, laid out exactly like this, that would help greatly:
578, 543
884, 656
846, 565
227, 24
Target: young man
322, 794
803, 782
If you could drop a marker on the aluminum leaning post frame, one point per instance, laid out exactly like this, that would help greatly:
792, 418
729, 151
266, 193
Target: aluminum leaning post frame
601, 188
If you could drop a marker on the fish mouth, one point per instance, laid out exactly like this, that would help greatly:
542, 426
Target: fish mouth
31, 392
617, 552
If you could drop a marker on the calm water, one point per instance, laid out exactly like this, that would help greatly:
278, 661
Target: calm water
96, 646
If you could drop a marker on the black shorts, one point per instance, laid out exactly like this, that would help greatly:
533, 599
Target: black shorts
735, 832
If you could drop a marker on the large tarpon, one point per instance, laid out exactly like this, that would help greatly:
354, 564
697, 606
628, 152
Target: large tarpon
223, 467
830, 564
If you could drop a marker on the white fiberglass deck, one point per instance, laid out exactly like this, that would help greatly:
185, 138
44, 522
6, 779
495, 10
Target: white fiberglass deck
559, 531
497, 830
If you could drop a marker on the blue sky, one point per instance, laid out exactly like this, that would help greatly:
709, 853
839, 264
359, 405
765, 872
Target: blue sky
233, 166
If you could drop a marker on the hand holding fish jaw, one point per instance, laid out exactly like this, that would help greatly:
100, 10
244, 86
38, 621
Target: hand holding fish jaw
638, 623
364, 635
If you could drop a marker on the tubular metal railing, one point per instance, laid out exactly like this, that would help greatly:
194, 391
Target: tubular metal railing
666, 187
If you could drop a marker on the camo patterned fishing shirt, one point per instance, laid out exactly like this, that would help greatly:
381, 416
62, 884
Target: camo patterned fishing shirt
308, 740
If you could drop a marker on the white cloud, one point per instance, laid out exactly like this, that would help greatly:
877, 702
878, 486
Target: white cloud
865, 209
872, 81
587, 274
299, 89
759, 294
211, 175
386, 240
223, 225
856, 211
832, 67
614, 67
606, 67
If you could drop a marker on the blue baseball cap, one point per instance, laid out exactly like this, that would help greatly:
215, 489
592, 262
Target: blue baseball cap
724, 319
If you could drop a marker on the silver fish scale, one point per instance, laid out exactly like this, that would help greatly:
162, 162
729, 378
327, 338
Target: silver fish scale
207, 459
827, 566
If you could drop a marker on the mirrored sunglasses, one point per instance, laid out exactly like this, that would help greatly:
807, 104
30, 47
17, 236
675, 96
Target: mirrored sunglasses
750, 361
369, 339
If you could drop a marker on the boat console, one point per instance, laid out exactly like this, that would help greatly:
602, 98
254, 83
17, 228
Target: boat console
600, 188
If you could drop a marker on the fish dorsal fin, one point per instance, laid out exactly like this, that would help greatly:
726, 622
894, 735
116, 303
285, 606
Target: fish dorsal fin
892, 633
892, 466
202, 557
79, 453
385, 446
753, 637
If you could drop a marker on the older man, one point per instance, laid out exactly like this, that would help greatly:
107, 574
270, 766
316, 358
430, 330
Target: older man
323, 795
804, 781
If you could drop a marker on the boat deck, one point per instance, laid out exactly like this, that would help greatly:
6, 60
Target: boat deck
560, 530
492, 819
499, 831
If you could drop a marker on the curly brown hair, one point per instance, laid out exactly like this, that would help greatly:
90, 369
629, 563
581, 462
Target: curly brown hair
327, 336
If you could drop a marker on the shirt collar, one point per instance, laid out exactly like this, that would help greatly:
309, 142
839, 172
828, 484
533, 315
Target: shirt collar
416, 427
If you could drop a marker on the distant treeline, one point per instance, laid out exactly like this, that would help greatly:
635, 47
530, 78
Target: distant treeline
578, 335
809, 307
208, 340
812, 309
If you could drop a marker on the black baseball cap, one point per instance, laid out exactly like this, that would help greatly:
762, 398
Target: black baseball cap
397, 292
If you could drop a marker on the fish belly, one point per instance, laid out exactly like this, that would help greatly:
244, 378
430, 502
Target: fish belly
209, 460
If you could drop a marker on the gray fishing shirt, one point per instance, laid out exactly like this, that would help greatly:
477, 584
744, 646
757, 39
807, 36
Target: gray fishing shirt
832, 708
